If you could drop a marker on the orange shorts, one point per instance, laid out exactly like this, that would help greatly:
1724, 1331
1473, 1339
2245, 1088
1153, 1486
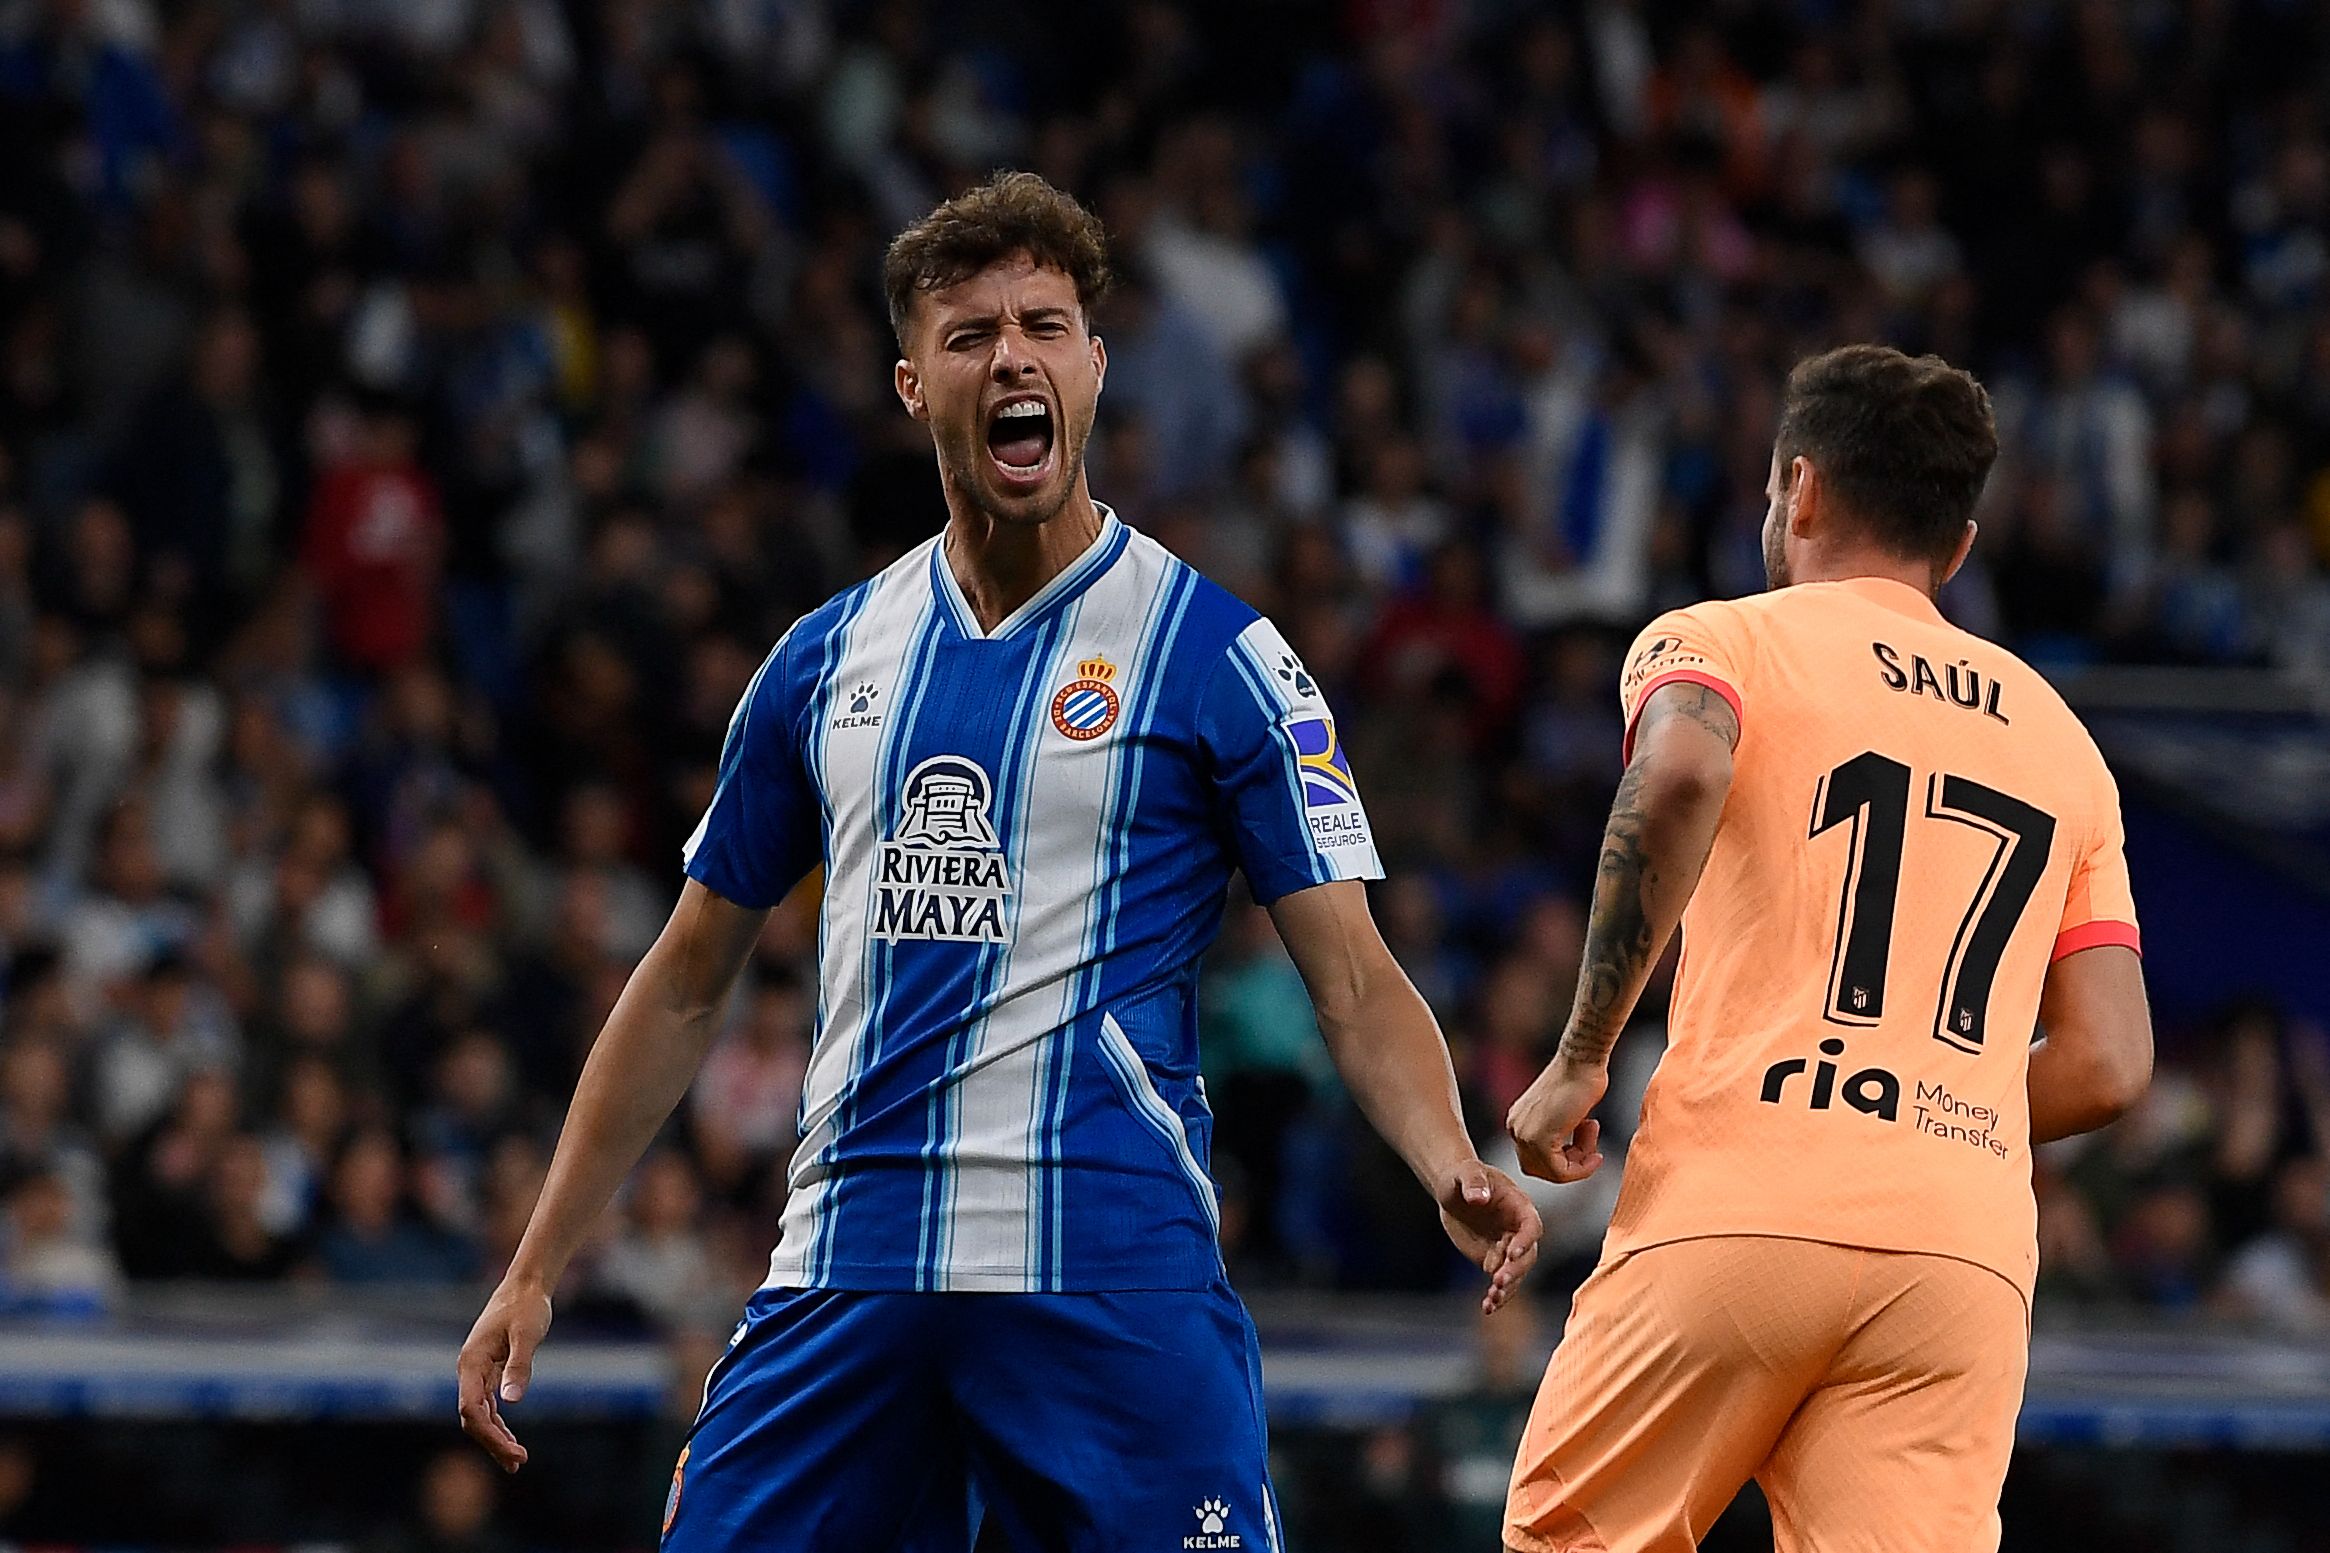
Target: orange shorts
1873, 1394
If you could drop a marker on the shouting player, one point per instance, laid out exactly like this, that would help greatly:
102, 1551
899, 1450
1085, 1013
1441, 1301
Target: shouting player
1894, 852
1029, 756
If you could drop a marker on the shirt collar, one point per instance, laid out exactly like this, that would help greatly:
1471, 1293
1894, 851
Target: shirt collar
1072, 579
1899, 597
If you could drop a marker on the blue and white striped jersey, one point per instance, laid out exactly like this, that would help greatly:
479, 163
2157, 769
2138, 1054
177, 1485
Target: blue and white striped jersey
1027, 836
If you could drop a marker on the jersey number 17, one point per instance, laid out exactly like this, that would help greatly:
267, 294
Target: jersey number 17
1870, 794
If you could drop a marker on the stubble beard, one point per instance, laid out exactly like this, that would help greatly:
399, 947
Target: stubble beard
965, 484
1775, 549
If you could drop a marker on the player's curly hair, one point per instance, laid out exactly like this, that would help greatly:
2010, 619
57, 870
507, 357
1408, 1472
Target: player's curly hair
1905, 442
1011, 213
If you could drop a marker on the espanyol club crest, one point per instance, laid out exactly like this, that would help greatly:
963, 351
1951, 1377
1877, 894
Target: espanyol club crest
671, 1502
1087, 705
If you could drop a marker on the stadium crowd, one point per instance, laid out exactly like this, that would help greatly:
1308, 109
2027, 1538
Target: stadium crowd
418, 417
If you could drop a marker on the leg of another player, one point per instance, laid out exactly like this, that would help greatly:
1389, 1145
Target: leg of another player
1102, 1422
1678, 1369
825, 1430
1904, 1447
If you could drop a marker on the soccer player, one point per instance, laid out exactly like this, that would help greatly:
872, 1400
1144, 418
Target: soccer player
1895, 854
1029, 756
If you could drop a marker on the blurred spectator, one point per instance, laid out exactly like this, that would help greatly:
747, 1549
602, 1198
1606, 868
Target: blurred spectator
1166, 371
1395, 521
371, 1234
182, 729
313, 1015
161, 1176
1908, 251
2163, 1249
595, 834
1445, 633
374, 542
2282, 1277
745, 1105
513, 1180
43, 1260
453, 1510
200, 473
310, 1117
1580, 548
1464, 1461
2271, 1092
237, 1243
473, 1103
166, 1036
130, 918
659, 1262
310, 895
2090, 429
2075, 1265
38, 1133
1201, 245
1520, 1017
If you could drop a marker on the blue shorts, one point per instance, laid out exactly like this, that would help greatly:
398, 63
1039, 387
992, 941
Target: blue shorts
844, 1421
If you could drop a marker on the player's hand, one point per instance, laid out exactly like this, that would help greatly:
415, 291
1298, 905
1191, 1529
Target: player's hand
1556, 1139
495, 1365
1494, 1224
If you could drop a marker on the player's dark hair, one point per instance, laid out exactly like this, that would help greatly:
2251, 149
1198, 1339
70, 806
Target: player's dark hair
1010, 214
1904, 443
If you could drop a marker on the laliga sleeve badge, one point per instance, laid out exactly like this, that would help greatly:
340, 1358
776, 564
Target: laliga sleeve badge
1087, 705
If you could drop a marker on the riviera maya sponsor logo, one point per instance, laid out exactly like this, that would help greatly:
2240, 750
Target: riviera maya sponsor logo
1087, 705
1330, 796
1213, 1515
941, 874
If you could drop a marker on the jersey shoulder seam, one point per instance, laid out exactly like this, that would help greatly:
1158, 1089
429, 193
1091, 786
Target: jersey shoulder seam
827, 618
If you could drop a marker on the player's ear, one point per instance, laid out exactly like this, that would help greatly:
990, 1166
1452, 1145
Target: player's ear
908, 382
1805, 496
1099, 364
1958, 556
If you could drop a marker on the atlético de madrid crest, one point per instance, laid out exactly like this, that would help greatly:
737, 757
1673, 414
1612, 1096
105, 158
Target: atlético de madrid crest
1087, 705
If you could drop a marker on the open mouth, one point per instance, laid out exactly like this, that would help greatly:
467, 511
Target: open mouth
1020, 436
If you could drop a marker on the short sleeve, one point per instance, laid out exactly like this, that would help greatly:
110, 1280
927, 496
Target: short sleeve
1280, 774
762, 832
1685, 646
2100, 907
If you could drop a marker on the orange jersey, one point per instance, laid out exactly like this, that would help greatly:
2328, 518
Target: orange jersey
1917, 827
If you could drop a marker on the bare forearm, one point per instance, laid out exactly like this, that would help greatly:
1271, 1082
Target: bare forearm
1389, 1050
1653, 851
640, 1066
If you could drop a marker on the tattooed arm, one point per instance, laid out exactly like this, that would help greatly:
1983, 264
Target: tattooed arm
1662, 825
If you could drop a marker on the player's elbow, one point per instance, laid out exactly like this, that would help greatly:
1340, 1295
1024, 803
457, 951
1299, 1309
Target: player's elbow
2112, 1074
1689, 778
2122, 1073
